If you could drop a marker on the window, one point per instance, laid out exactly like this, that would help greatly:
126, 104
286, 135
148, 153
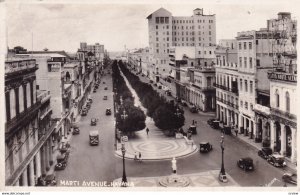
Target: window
246, 105
156, 33
241, 104
241, 84
246, 86
157, 20
251, 106
250, 45
240, 46
209, 52
167, 32
209, 32
257, 62
167, 38
277, 98
245, 62
251, 86
256, 42
162, 20
157, 51
250, 62
245, 45
156, 26
241, 62
167, 21
157, 44
287, 101
157, 39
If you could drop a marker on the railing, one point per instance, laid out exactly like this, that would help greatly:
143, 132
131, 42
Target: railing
283, 113
262, 109
282, 76
16, 66
44, 96
227, 103
14, 122
233, 90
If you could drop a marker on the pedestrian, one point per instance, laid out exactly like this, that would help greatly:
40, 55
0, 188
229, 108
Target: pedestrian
135, 156
147, 130
140, 156
236, 132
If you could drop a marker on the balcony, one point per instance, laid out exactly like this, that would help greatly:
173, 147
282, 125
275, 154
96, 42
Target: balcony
227, 103
232, 90
44, 96
282, 76
18, 65
283, 114
262, 109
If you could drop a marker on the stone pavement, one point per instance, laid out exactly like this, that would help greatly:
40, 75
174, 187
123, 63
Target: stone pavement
202, 179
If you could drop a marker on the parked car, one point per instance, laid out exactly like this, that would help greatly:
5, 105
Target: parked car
246, 163
76, 130
193, 129
159, 87
193, 109
90, 100
210, 121
168, 92
226, 129
93, 121
264, 152
105, 97
183, 103
94, 90
108, 111
62, 160
276, 160
151, 81
83, 112
205, 147
50, 180
105, 88
290, 178
215, 124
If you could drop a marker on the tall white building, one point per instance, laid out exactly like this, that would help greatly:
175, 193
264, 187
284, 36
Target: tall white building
166, 31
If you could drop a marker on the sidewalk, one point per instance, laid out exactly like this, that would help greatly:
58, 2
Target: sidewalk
258, 146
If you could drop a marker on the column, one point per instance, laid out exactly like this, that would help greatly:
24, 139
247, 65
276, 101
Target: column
31, 174
294, 146
217, 111
245, 125
272, 134
283, 139
240, 123
236, 119
254, 128
24, 177
38, 164
228, 117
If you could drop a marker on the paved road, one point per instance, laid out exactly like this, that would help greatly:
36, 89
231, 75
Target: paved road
98, 163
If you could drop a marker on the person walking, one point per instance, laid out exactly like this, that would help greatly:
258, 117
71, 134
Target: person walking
236, 132
147, 130
140, 156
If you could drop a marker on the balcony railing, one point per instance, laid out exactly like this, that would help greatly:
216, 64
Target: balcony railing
282, 76
16, 66
227, 103
233, 90
262, 109
283, 114
44, 96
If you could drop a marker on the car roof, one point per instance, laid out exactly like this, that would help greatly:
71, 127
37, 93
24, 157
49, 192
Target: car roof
277, 155
247, 159
93, 133
204, 142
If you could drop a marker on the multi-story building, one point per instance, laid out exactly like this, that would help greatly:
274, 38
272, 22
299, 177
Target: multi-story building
97, 50
283, 83
227, 110
27, 145
166, 31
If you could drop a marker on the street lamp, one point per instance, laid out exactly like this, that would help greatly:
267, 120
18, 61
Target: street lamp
124, 179
222, 175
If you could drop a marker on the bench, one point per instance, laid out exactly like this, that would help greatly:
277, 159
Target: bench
188, 141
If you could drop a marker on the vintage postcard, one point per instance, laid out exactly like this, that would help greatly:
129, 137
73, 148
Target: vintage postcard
149, 95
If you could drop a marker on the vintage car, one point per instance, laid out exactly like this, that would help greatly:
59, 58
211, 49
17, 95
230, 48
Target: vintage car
94, 90
290, 178
246, 163
94, 138
226, 129
108, 111
50, 180
83, 112
75, 130
151, 81
184, 103
215, 124
193, 129
105, 88
205, 147
264, 152
276, 160
193, 109
90, 100
168, 93
105, 97
93, 122
62, 160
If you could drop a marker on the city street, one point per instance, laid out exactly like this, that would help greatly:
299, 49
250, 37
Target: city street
99, 163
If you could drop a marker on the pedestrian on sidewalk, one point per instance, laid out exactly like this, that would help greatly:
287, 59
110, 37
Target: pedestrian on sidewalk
147, 130
236, 132
140, 156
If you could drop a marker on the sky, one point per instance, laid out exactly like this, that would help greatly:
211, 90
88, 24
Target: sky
62, 26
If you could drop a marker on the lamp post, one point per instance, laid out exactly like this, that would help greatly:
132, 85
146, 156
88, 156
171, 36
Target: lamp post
124, 178
222, 175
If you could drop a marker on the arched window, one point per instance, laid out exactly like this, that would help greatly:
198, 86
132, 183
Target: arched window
68, 77
21, 99
277, 98
287, 101
28, 98
12, 98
